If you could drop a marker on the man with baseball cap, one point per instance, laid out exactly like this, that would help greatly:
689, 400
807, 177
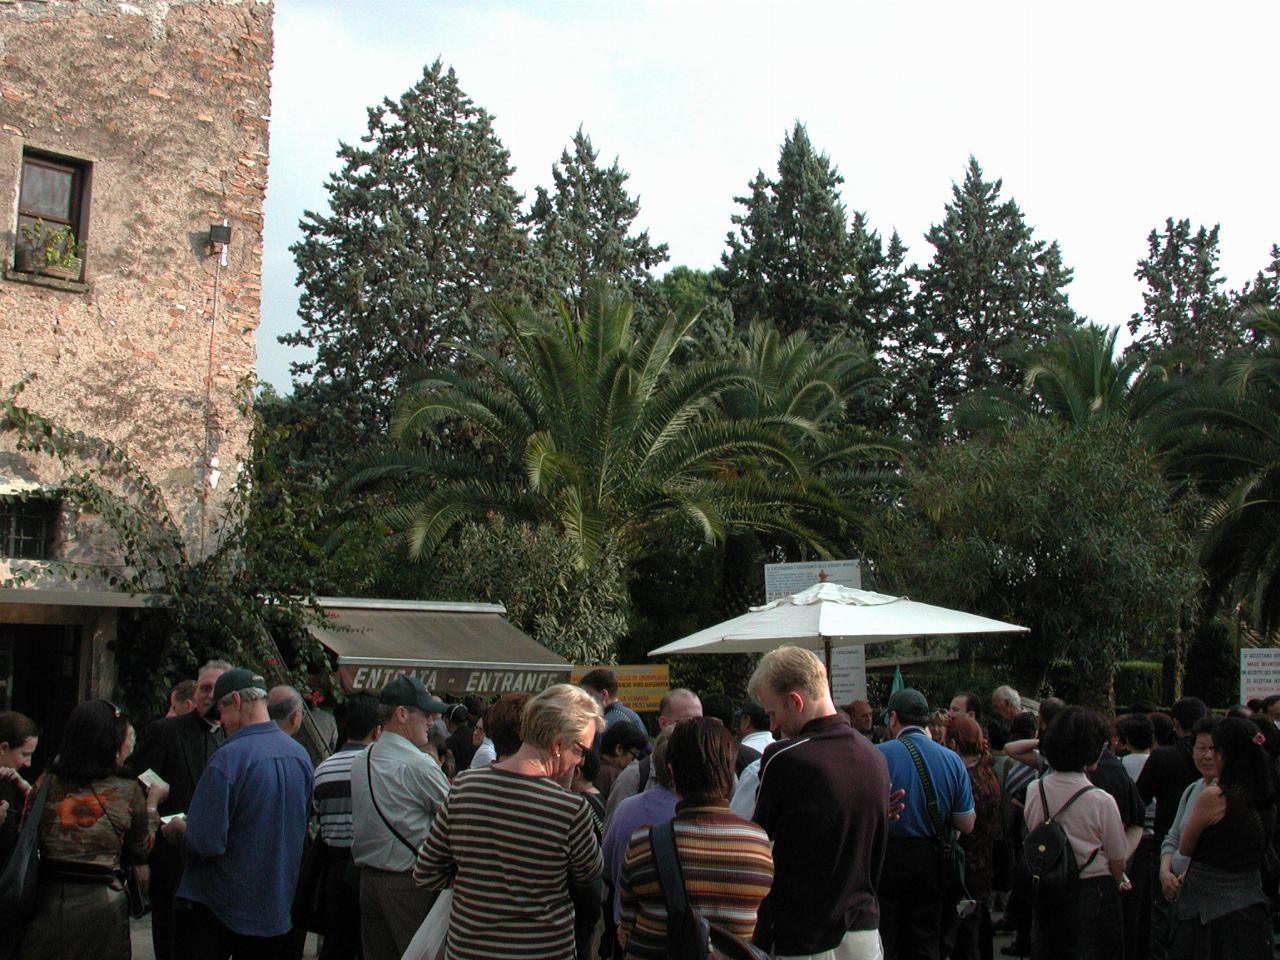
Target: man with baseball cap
396, 790
914, 895
242, 835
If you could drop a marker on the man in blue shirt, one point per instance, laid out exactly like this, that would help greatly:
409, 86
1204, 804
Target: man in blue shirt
242, 835
914, 899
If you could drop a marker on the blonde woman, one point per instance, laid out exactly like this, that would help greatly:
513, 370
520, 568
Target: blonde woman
518, 847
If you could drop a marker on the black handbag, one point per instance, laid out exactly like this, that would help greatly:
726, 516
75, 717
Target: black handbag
19, 881
951, 864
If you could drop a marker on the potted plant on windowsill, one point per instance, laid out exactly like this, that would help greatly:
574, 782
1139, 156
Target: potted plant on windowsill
63, 255
29, 253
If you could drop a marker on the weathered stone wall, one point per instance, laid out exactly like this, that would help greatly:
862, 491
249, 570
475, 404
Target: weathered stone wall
169, 101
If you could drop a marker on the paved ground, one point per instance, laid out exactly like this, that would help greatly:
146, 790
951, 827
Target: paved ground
141, 930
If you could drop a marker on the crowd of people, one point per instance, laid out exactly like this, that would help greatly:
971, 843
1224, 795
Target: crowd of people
783, 826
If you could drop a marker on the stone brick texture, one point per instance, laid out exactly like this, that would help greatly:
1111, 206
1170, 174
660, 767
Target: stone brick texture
169, 103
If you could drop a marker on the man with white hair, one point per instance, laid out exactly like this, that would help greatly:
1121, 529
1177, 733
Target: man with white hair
679, 704
1007, 703
242, 836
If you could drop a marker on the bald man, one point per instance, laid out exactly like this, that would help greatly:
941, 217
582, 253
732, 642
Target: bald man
679, 704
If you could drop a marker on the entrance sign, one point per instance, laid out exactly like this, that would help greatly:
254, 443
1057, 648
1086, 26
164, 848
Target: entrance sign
454, 681
640, 686
1259, 673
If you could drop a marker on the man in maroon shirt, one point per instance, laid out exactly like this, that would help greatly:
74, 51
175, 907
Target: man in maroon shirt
824, 801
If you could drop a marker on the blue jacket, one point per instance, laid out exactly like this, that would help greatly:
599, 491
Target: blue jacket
245, 830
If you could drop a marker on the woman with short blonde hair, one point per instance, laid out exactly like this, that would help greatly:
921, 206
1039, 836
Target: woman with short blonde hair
520, 848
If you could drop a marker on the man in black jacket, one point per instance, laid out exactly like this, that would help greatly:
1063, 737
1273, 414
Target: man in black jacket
824, 801
178, 749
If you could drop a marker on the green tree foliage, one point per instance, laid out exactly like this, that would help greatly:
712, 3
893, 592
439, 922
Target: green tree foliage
578, 612
1068, 531
611, 443
794, 258
990, 291
1222, 441
1264, 289
1078, 378
422, 226
1187, 316
581, 229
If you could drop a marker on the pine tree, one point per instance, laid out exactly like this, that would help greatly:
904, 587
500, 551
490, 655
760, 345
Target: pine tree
1264, 289
581, 228
795, 259
422, 226
990, 291
1187, 315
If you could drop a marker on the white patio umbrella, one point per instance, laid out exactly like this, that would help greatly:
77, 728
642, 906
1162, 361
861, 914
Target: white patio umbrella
827, 615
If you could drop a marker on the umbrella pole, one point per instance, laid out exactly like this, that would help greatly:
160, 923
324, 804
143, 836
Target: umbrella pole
831, 684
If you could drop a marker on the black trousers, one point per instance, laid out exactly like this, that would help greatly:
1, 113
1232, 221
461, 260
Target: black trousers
342, 908
1136, 904
204, 937
166, 873
911, 908
1088, 926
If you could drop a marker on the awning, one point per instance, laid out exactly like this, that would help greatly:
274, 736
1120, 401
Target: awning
452, 648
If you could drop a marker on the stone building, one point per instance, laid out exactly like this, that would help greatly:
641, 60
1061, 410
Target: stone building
131, 129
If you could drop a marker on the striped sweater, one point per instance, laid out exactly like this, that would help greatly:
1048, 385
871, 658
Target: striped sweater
727, 867
511, 844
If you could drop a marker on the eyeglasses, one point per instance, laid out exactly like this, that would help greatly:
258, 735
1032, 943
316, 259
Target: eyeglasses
116, 713
582, 749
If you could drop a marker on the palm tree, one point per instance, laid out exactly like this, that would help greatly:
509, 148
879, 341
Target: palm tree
1078, 378
603, 436
1222, 441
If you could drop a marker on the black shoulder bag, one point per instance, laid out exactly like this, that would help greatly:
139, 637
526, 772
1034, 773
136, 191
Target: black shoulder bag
690, 936
950, 853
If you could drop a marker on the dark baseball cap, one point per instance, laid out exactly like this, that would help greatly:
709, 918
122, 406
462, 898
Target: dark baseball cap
909, 705
237, 678
409, 692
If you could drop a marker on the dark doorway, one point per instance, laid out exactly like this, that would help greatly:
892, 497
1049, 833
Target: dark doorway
40, 676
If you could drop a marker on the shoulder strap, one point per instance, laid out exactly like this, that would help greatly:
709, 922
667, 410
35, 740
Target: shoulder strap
1044, 804
368, 759
1070, 800
930, 797
662, 840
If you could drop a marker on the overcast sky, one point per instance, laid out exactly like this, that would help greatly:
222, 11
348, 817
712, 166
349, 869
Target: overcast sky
1102, 119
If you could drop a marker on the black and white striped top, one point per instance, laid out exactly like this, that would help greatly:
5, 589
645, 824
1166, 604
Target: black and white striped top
512, 845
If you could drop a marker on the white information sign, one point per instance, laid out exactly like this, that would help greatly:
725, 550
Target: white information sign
1259, 673
848, 674
848, 664
784, 579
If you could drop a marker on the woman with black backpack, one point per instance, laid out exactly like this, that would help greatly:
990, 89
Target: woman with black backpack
1075, 894
1222, 911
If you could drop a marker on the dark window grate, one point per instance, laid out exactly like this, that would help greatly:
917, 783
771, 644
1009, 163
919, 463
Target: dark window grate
27, 528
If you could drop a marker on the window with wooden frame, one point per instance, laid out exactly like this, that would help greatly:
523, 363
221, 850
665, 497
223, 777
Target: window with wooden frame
53, 196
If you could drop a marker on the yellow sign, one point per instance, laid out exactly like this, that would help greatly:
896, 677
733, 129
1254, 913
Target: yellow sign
641, 687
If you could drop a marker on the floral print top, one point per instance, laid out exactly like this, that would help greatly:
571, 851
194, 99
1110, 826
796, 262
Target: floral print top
95, 822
